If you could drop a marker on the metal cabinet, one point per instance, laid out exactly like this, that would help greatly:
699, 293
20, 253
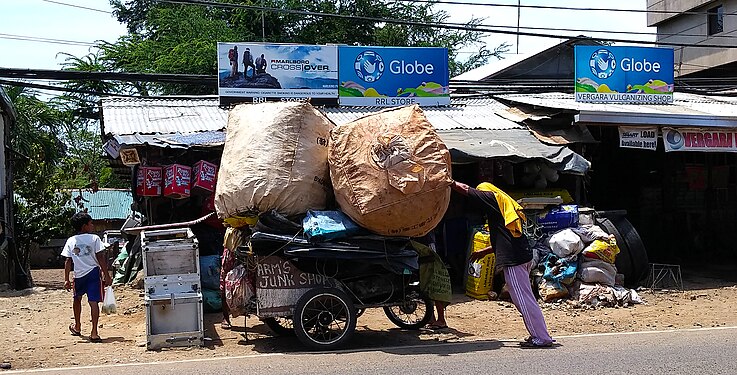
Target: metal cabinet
173, 295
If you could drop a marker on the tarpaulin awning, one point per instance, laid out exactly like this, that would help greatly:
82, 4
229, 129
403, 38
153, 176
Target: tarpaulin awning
513, 144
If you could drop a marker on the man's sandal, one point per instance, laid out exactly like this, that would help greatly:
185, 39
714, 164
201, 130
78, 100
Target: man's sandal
73, 331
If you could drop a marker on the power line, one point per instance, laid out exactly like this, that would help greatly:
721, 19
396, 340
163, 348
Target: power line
425, 24
45, 40
65, 89
77, 6
550, 7
71, 75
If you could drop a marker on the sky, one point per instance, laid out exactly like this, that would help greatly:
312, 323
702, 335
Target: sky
49, 20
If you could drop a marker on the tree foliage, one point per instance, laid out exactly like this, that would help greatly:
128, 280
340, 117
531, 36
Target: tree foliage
181, 38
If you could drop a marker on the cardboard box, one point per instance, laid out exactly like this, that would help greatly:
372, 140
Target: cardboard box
204, 176
177, 181
149, 181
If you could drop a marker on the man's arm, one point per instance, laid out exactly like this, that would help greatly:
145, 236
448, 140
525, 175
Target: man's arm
67, 269
102, 261
460, 187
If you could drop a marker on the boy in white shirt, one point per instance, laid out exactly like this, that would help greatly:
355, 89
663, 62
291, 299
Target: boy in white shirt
84, 252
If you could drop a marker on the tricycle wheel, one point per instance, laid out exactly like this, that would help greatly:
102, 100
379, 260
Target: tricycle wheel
324, 318
414, 313
280, 326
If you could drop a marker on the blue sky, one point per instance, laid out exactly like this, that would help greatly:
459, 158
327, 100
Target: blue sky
42, 19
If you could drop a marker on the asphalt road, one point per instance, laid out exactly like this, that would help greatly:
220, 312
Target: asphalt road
703, 351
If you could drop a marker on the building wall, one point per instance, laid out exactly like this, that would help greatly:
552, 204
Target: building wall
693, 29
670, 6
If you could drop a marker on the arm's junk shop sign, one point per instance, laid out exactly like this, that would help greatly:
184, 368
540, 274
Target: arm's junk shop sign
607, 74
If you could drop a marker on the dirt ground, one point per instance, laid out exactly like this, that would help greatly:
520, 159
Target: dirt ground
36, 336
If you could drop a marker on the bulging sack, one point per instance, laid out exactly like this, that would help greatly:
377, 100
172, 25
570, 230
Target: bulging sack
391, 172
274, 158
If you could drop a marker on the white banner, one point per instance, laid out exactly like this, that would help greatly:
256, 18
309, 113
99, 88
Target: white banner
700, 139
642, 137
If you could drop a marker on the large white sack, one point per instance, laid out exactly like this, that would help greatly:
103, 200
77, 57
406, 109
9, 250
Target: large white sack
597, 271
275, 157
391, 172
566, 243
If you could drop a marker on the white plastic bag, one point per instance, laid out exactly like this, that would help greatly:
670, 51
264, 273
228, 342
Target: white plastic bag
108, 302
566, 243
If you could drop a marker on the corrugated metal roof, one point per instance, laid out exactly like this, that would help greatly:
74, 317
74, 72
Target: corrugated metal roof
462, 114
105, 204
683, 104
163, 115
176, 140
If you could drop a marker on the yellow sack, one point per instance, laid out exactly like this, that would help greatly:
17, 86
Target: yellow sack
604, 250
480, 272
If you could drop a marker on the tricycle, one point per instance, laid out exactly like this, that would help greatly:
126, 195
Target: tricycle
317, 290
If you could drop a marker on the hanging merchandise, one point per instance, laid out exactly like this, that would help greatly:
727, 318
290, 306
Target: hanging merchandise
148, 181
204, 176
177, 181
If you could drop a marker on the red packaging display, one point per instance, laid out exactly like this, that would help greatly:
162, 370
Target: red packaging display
177, 179
204, 176
148, 181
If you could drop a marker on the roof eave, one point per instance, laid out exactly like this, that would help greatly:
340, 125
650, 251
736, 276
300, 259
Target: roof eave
588, 117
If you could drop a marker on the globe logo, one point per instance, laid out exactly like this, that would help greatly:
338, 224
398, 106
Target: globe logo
603, 63
674, 139
369, 66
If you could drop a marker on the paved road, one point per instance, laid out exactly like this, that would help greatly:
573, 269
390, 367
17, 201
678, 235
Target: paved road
692, 352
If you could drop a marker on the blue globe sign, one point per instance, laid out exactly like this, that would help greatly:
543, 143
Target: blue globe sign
674, 139
369, 66
603, 63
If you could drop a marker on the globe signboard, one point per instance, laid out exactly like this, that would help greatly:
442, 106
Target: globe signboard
606, 74
393, 76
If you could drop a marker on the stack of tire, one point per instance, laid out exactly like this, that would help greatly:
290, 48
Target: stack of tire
632, 260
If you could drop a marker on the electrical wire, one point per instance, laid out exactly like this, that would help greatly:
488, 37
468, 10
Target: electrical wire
550, 7
45, 40
426, 24
77, 6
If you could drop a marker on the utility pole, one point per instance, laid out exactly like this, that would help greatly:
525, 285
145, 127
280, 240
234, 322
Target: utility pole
263, 24
519, 8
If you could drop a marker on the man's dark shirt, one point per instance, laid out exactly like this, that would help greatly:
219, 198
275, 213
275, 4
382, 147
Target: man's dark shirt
510, 250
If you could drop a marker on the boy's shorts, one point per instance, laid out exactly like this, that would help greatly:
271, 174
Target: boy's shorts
89, 284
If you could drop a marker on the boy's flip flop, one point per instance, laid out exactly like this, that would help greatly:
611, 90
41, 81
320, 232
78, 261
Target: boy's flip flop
531, 345
96, 339
74, 333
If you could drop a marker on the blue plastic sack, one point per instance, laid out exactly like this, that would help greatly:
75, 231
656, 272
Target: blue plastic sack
561, 217
210, 271
328, 225
559, 271
212, 301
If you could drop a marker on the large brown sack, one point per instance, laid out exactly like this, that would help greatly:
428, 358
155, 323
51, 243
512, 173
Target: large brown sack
275, 157
391, 172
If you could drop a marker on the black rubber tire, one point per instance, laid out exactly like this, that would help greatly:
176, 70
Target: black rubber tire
632, 259
638, 253
323, 307
411, 304
360, 312
279, 326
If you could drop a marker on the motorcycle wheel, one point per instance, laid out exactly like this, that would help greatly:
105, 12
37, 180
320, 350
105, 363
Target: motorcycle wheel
324, 318
414, 313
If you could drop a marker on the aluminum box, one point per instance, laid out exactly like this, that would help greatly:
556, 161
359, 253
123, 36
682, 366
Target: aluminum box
174, 320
